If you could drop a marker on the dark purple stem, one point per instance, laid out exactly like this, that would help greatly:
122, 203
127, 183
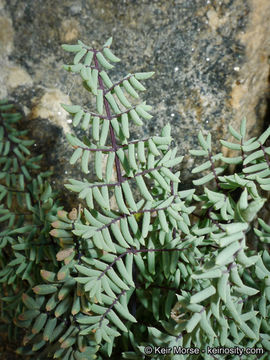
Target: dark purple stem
109, 117
126, 179
214, 221
118, 83
265, 155
112, 149
111, 306
134, 251
213, 168
131, 213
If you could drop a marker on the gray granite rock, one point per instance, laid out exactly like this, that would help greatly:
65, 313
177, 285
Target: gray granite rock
210, 60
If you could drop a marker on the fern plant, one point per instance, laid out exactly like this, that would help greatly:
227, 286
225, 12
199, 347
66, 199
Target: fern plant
26, 206
112, 251
141, 269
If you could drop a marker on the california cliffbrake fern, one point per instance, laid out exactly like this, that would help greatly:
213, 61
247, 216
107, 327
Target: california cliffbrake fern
172, 269
26, 206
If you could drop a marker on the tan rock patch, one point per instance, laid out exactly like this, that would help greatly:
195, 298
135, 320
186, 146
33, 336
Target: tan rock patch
49, 107
69, 30
6, 36
253, 85
214, 20
239, 91
18, 76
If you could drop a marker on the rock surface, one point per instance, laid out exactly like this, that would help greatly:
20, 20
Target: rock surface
210, 58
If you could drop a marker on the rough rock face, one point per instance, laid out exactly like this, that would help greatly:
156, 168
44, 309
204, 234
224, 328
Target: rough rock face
210, 58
